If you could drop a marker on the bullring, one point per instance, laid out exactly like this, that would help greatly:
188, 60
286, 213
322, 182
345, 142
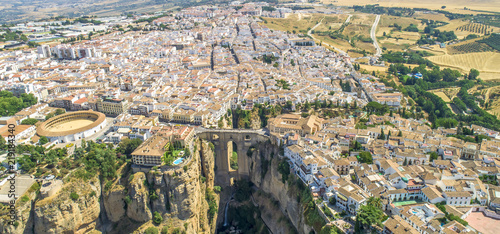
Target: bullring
72, 126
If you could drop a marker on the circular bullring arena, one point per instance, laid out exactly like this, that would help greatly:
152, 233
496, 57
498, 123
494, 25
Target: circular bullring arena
72, 126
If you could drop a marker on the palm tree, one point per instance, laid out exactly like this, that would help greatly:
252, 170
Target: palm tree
375, 202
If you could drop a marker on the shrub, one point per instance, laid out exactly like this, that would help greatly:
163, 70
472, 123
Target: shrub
217, 189
151, 230
153, 195
164, 230
25, 198
185, 167
157, 219
127, 199
74, 196
108, 185
92, 193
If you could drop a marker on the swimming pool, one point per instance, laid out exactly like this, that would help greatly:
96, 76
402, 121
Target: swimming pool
178, 161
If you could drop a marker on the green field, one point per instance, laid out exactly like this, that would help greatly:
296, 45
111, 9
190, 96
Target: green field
404, 203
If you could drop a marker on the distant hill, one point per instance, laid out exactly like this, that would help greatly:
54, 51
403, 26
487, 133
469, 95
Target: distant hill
15, 11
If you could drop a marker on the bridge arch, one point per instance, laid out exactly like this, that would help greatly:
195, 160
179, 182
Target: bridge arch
227, 141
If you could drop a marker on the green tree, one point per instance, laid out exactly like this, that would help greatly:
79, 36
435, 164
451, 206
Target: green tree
332, 201
43, 140
357, 225
371, 213
433, 156
3, 144
284, 170
128, 146
365, 157
29, 121
382, 135
473, 74
60, 111
24, 37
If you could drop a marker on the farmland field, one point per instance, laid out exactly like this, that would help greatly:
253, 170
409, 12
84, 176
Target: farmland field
455, 6
493, 41
469, 47
443, 96
299, 23
486, 62
476, 28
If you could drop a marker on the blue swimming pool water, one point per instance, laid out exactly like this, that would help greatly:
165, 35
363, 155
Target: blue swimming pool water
178, 161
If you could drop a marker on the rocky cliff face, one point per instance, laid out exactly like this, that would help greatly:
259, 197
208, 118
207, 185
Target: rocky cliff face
25, 217
65, 212
179, 195
268, 179
114, 203
138, 207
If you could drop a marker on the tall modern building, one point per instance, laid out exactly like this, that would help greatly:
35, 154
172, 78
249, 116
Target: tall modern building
44, 50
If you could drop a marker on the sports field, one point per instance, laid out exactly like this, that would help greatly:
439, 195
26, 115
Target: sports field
404, 203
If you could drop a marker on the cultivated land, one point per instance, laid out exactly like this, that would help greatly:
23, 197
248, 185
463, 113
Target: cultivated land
18, 10
485, 62
468, 47
455, 6
300, 23
359, 26
457, 25
443, 96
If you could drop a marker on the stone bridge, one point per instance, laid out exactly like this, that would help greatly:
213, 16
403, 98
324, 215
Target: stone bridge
227, 141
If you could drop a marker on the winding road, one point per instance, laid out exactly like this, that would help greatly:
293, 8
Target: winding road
374, 38
335, 48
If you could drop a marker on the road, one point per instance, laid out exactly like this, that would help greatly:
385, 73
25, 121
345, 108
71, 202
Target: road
348, 19
315, 26
331, 46
372, 35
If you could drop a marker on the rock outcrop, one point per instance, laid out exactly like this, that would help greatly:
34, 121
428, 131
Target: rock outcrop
24, 219
178, 193
114, 203
74, 209
138, 207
